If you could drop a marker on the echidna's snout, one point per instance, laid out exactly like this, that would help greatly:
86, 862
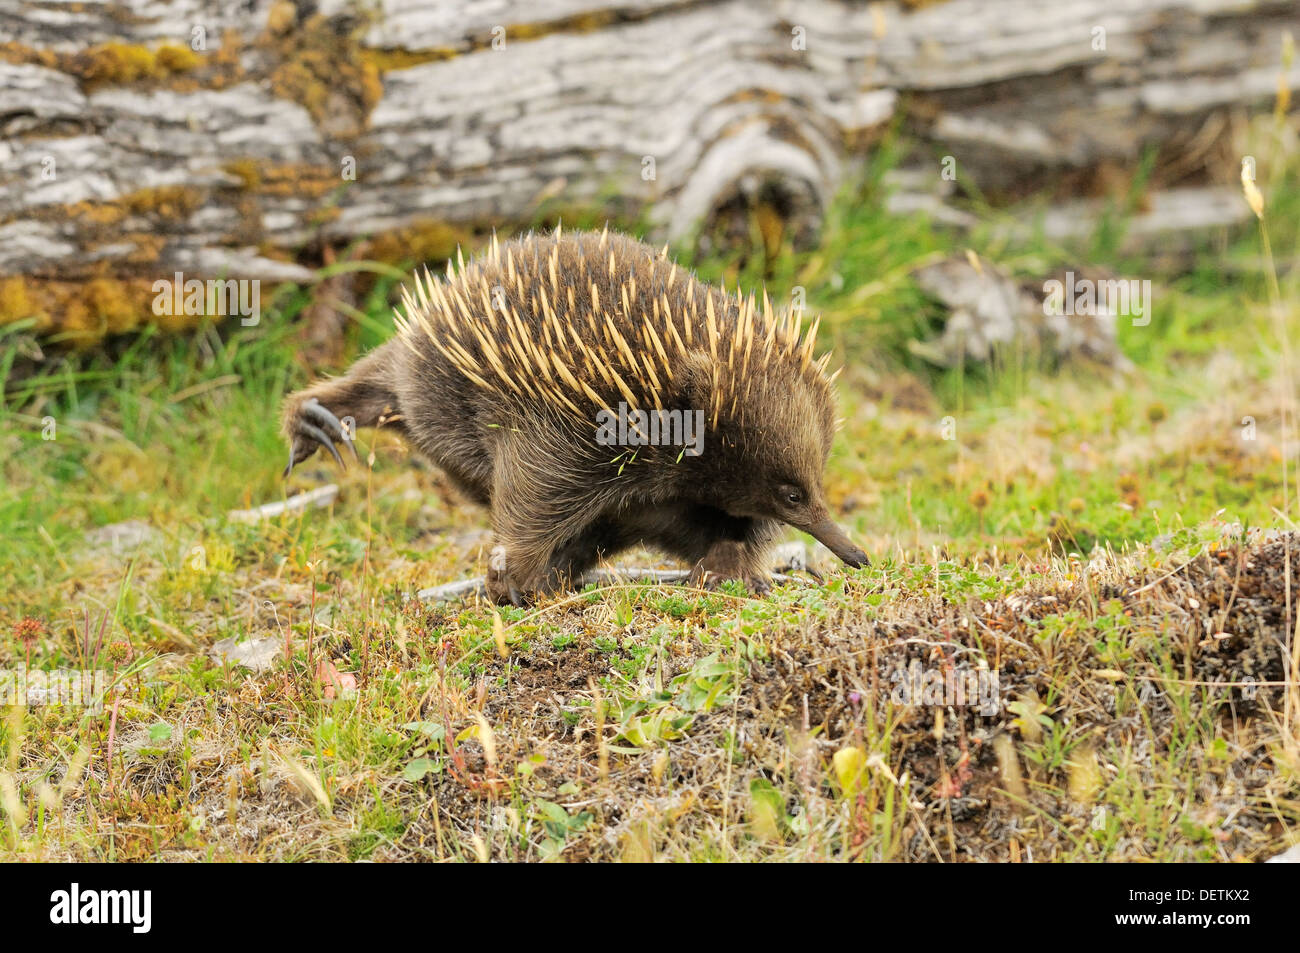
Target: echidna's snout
826, 532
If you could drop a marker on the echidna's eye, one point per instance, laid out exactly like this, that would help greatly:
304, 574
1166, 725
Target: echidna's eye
794, 495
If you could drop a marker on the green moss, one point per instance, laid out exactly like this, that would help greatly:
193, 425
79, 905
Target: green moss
15, 303
177, 59
323, 69
116, 64
146, 247
115, 305
281, 17
167, 201
163, 203
248, 171
108, 64
82, 313
299, 180
421, 242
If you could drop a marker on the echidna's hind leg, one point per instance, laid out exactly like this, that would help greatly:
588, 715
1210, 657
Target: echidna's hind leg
746, 559
329, 412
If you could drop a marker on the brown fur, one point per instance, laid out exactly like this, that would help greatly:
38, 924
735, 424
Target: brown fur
498, 373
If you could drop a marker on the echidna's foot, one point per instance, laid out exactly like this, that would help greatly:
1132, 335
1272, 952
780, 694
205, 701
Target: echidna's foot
757, 583
312, 427
729, 560
501, 589
504, 587
507, 587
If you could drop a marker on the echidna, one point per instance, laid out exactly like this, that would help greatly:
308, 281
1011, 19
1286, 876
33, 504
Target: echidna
511, 373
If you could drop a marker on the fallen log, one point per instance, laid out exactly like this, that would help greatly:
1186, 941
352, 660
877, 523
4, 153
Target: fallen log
144, 140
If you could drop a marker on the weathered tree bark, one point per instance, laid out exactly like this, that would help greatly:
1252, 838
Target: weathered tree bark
146, 137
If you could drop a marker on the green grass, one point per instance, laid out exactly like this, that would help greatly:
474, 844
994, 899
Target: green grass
634, 722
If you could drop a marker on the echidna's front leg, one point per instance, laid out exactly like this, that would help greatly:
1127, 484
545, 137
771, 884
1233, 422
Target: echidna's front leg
743, 557
500, 585
519, 573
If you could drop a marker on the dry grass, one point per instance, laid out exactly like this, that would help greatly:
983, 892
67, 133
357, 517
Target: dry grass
640, 722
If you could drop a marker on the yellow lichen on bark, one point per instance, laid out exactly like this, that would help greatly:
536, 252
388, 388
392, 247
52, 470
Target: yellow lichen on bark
107, 64
322, 68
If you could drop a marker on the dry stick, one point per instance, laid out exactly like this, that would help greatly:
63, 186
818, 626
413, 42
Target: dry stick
602, 750
1156, 582
311, 623
367, 605
112, 737
437, 827
321, 496
804, 777
726, 780
1287, 388
1292, 700
1236, 582
288, 637
1285, 683
920, 823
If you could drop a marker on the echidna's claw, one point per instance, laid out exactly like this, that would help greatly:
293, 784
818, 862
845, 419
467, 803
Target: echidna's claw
321, 437
318, 415
314, 426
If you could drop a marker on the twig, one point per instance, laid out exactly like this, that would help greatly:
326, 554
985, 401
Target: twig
321, 496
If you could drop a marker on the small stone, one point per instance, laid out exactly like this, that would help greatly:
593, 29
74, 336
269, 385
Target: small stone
122, 537
256, 654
